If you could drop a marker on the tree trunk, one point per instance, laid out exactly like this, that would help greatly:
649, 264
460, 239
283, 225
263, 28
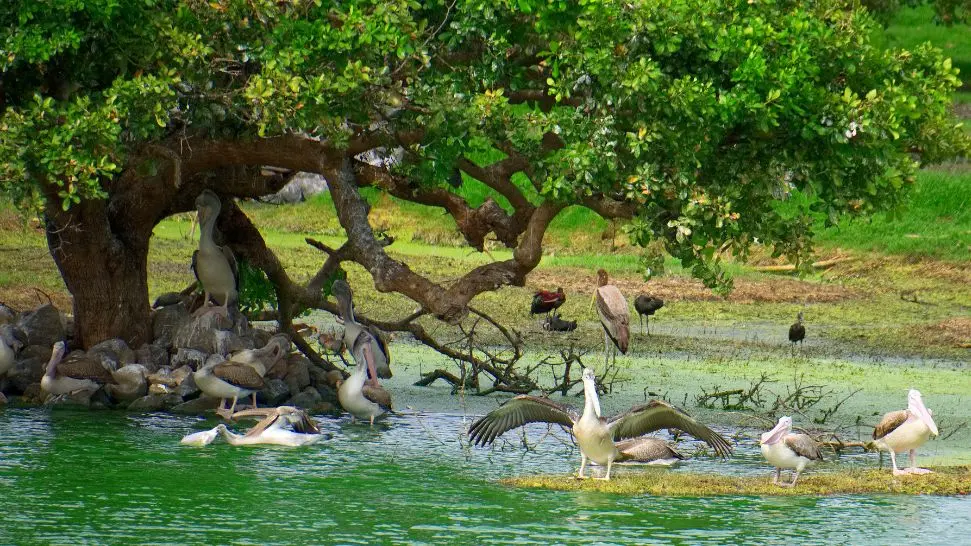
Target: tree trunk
106, 273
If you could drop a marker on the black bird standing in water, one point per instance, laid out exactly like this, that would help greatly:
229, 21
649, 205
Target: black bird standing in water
797, 332
646, 306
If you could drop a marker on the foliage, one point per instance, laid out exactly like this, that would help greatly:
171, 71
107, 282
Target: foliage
256, 292
946, 12
724, 121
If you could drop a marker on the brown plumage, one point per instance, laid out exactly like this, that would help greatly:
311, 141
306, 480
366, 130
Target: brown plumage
657, 415
613, 311
85, 368
646, 449
298, 419
804, 446
889, 423
238, 375
378, 395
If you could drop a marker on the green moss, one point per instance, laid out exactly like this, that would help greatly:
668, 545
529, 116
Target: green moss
947, 480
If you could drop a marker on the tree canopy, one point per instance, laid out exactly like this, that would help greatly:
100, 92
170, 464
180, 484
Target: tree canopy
711, 124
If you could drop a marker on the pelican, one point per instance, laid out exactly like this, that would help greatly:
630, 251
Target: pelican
783, 449
352, 329
363, 401
648, 450
595, 435
614, 315
12, 341
214, 265
262, 360
74, 376
131, 382
906, 430
227, 379
269, 431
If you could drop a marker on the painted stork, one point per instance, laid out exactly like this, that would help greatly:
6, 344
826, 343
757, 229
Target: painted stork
614, 316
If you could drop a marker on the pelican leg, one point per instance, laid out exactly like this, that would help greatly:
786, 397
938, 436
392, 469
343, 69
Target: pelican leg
372, 420
206, 307
775, 477
893, 464
583, 464
226, 414
254, 401
913, 464
606, 478
795, 477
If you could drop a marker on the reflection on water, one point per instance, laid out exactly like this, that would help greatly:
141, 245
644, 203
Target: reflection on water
70, 477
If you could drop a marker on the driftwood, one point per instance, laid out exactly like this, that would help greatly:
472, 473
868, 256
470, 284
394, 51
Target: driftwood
787, 268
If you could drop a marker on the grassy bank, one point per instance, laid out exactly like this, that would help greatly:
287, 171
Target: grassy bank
944, 481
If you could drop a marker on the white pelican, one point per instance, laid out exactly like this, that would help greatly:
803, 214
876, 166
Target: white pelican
352, 329
363, 401
595, 435
263, 359
12, 341
214, 265
227, 380
614, 316
783, 449
906, 430
269, 431
78, 375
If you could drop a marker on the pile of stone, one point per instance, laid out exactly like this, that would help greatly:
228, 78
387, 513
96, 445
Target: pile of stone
159, 375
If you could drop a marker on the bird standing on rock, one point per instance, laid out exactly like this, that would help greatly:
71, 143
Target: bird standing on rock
614, 316
214, 266
545, 301
646, 306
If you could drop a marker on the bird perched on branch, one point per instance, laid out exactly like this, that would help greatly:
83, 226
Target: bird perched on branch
797, 332
545, 301
595, 435
646, 306
906, 430
783, 449
614, 315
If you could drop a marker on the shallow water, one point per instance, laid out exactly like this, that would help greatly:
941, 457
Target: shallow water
111, 477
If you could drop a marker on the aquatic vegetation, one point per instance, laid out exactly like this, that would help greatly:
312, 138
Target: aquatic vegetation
946, 480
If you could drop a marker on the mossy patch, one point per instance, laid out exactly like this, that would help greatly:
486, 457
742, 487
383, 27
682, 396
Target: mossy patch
946, 480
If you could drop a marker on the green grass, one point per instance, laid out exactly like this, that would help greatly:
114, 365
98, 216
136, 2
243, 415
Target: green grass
944, 481
935, 223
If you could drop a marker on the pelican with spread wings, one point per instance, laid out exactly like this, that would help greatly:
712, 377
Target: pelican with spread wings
596, 436
271, 430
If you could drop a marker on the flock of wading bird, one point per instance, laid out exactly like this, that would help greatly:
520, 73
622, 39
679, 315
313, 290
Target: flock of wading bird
603, 441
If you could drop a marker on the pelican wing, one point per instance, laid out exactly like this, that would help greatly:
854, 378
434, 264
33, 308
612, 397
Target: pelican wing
381, 365
646, 449
517, 412
86, 368
304, 424
656, 415
238, 375
804, 446
233, 265
889, 423
378, 395
195, 266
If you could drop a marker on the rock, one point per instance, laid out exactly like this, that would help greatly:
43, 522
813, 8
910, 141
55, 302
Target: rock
302, 186
169, 298
333, 377
327, 393
155, 402
3, 399
274, 393
115, 349
100, 399
132, 383
166, 322
153, 357
29, 367
307, 399
188, 389
260, 337
198, 406
43, 326
211, 333
80, 399
298, 374
227, 342
192, 358
33, 395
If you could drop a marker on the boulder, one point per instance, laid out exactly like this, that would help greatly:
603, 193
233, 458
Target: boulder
33, 395
115, 350
81, 399
211, 333
192, 358
274, 393
43, 326
3, 399
152, 356
307, 399
302, 186
298, 373
187, 389
29, 368
155, 402
166, 322
198, 406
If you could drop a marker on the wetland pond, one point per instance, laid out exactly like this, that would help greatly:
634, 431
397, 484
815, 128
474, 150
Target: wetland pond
112, 477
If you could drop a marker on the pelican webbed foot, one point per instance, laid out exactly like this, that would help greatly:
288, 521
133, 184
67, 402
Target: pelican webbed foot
919, 471
901, 471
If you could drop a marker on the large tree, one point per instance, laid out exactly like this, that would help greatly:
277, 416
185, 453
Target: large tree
709, 124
